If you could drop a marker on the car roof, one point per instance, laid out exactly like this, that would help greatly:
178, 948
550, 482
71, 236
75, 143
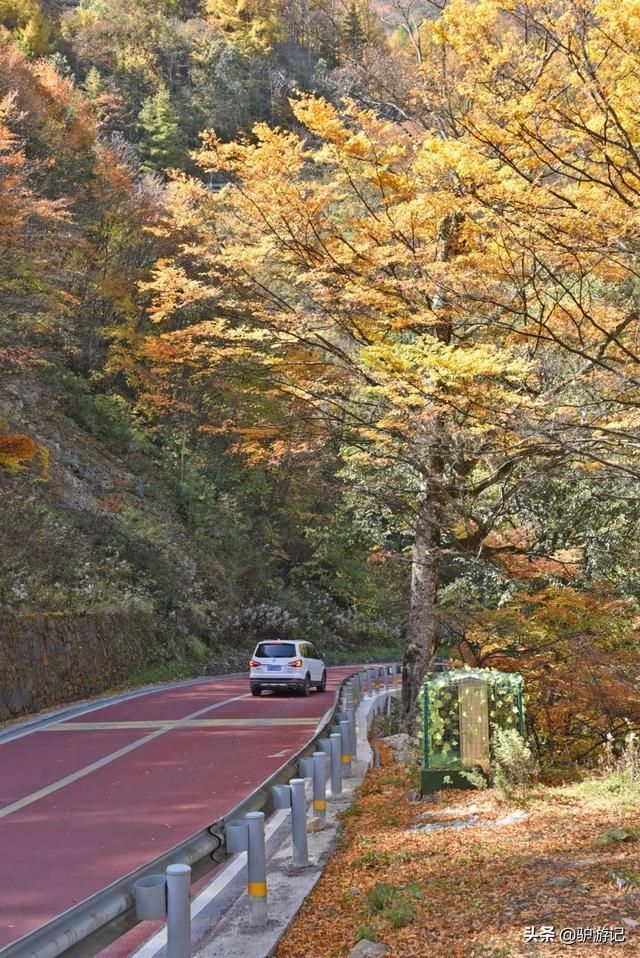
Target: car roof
279, 642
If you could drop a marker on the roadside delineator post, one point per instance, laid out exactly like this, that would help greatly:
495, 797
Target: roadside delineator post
385, 676
351, 718
293, 796
324, 745
345, 743
256, 868
299, 822
178, 911
369, 684
247, 835
336, 764
320, 786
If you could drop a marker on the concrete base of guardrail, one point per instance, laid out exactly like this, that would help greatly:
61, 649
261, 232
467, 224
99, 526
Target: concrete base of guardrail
230, 934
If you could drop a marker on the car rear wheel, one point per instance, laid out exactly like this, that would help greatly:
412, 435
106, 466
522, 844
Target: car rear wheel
306, 688
322, 686
256, 690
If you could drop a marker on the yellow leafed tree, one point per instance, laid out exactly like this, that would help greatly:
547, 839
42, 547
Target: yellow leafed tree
458, 302
251, 25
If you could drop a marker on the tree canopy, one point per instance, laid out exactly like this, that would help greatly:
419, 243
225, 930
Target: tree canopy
389, 296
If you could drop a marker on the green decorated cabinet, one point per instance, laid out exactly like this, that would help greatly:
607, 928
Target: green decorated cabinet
460, 711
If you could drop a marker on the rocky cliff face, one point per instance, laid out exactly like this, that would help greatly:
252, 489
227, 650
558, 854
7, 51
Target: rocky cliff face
99, 571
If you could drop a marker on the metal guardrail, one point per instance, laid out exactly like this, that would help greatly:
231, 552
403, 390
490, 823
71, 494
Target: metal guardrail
93, 924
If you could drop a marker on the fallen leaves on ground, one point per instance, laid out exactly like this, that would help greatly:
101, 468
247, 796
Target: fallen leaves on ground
474, 887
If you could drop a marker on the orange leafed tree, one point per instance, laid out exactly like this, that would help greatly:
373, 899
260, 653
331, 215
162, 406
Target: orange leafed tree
16, 449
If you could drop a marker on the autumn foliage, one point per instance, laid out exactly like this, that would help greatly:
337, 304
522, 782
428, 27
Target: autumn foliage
16, 449
451, 300
416, 292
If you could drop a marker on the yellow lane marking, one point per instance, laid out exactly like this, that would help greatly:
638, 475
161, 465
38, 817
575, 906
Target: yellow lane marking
182, 723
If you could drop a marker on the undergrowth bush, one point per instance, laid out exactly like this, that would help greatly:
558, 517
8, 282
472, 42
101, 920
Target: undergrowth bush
195, 648
514, 765
621, 768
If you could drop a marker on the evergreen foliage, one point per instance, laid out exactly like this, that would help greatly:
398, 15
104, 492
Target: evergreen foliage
354, 35
162, 142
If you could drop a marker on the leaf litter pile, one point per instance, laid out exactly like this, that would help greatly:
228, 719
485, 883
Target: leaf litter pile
466, 873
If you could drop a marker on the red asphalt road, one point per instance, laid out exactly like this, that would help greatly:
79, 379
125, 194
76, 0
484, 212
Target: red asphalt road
61, 842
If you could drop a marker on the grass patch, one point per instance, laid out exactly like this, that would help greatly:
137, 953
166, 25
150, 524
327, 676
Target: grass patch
367, 933
381, 896
617, 790
160, 672
197, 651
394, 903
400, 914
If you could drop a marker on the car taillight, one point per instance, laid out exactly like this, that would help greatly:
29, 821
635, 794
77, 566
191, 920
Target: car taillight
253, 664
296, 664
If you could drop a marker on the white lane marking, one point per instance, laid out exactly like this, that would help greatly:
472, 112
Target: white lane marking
106, 760
200, 902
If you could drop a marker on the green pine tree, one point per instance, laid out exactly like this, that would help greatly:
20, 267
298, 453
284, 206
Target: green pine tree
34, 39
162, 143
352, 30
93, 84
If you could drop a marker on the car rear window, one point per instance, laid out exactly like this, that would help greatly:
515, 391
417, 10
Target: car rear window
275, 650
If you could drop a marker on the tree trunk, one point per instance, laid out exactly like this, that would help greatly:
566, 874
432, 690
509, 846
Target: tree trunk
421, 628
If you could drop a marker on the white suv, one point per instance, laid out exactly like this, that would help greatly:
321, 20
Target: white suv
286, 665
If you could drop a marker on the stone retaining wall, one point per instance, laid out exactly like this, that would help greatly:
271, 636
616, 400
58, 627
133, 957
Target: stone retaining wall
46, 660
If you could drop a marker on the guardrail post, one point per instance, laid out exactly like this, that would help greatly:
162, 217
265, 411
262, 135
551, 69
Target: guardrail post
306, 767
386, 678
299, 822
345, 742
320, 786
178, 911
150, 895
256, 868
369, 684
336, 764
